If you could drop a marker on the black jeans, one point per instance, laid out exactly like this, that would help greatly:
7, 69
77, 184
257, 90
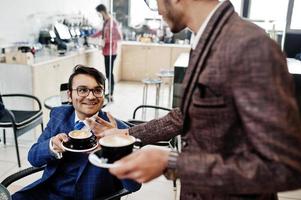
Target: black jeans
109, 73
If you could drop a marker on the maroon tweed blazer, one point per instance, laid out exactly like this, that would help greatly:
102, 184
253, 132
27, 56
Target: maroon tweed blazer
239, 119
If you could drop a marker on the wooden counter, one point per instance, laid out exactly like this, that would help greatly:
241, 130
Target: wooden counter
145, 60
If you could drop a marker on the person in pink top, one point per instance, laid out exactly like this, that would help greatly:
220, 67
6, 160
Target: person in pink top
110, 44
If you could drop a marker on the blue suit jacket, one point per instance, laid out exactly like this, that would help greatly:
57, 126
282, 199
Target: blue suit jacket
91, 181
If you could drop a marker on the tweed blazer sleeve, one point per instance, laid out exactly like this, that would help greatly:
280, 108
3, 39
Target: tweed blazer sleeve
156, 130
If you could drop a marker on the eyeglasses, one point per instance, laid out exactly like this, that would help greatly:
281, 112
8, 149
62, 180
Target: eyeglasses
152, 4
84, 91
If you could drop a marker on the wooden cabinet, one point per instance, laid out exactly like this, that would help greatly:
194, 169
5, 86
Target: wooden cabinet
48, 77
95, 59
157, 58
139, 60
133, 62
80, 59
176, 52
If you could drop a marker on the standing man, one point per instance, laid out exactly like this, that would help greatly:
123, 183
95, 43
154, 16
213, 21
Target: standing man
239, 118
111, 35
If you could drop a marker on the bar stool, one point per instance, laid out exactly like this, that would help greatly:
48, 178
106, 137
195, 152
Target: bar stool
167, 74
147, 82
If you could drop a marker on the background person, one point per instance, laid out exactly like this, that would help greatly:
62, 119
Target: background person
110, 40
70, 175
238, 120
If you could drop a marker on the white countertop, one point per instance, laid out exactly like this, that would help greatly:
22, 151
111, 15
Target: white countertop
154, 44
294, 66
182, 60
48, 58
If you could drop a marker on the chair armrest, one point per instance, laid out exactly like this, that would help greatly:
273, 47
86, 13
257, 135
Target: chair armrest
24, 95
149, 106
11, 116
116, 195
136, 121
18, 175
128, 123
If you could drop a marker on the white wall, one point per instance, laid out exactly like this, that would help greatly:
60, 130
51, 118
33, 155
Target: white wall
20, 21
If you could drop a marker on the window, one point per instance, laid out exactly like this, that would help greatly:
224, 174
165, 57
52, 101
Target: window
139, 11
237, 6
269, 14
296, 15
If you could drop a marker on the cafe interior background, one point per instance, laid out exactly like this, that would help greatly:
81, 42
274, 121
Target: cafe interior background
41, 41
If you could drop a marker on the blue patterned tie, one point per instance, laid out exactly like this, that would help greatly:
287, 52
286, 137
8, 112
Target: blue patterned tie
78, 125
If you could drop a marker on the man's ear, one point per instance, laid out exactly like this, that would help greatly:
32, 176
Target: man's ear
69, 96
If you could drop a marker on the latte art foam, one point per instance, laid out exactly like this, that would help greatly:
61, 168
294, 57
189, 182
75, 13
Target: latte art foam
116, 140
79, 134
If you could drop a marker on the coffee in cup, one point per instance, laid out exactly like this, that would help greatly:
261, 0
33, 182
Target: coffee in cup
114, 147
117, 140
81, 139
79, 134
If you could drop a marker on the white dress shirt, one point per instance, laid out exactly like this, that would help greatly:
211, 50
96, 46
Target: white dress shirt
199, 34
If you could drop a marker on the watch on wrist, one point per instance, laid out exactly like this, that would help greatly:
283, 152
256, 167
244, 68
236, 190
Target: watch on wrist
171, 170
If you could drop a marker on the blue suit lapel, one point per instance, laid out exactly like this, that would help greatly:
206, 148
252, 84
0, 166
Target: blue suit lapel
68, 125
81, 169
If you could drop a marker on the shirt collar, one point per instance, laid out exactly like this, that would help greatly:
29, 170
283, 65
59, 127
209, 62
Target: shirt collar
77, 119
199, 34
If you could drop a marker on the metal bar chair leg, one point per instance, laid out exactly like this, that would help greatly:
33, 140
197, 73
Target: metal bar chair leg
17, 147
145, 91
4, 137
157, 99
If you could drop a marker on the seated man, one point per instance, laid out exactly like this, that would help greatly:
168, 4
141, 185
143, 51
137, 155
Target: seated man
70, 175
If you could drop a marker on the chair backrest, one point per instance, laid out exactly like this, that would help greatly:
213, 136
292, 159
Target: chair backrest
148, 106
173, 143
1, 109
1, 101
64, 93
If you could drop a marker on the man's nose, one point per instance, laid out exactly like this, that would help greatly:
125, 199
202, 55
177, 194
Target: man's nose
91, 95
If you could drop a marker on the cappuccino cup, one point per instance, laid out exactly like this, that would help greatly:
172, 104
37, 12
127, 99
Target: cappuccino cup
114, 147
81, 139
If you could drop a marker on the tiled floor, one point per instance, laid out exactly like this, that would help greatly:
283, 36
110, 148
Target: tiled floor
127, 96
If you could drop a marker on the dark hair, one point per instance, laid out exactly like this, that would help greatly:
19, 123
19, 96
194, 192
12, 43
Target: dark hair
81, 69
101, 8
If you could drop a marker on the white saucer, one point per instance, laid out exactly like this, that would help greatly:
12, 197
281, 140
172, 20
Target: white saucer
79, 150
100, 162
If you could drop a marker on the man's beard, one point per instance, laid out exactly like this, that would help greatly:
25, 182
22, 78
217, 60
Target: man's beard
174, 19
